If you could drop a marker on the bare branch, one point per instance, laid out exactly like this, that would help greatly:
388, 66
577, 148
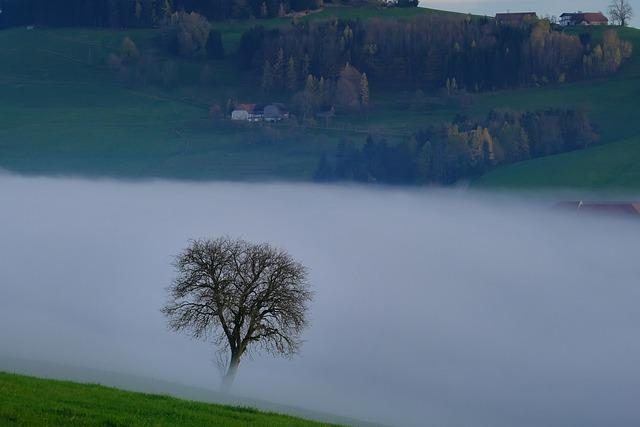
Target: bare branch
246, 296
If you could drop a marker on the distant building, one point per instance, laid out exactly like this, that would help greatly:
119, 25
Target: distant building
583, 18
247, 112
517, 18
257, 113
628, 209
241, 115
275, 113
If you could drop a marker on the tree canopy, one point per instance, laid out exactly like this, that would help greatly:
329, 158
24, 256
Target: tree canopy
243, 296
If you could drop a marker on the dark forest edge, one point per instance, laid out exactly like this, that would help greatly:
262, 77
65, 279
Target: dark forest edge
462, 150
336, 66
433, 52
139, 13
339, 65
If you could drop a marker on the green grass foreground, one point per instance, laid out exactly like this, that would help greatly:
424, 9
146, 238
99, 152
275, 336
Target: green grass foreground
28, 401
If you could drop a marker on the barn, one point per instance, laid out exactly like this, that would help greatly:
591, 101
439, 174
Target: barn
583, 18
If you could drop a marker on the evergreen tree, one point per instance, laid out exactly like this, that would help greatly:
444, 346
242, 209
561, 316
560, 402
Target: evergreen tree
167, 11
306, 63
364, 90
279, 67
267, 76
128, 50
322, 92
324, 172
138, 10
292, 75
215, 48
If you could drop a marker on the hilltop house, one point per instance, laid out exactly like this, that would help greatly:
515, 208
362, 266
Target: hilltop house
583, 18
516, 19
248, 112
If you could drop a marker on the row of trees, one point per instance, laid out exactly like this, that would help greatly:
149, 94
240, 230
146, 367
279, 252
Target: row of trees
141, 67
91, 13
429, 51
148, 13
349, 92
190, 35
182, 34
138, 13
462, 149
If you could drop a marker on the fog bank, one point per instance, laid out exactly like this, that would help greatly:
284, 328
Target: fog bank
431, 308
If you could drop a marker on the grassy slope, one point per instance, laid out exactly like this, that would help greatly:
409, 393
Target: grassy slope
62, 111
614, 105
614, 166
58, 114
28, 401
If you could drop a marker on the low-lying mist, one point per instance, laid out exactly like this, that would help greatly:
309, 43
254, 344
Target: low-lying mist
431, 308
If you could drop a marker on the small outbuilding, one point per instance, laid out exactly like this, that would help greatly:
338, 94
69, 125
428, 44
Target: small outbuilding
516, 18
242, 115
246, 112
275, 113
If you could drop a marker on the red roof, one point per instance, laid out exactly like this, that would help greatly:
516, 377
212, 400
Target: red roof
516, 16
589, 17
249, 108
610, 208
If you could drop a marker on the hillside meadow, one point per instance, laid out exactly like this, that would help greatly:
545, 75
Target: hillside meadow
28, 401
62, 111
613, 104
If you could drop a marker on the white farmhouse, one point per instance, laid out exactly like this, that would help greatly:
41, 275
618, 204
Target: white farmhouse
583, 18
242, 115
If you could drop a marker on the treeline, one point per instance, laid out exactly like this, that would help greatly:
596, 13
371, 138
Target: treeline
137, 13
182, 34
463, 149
431, 52
90, 13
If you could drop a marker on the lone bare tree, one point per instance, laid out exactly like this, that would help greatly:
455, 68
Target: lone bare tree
242, 295
621, 12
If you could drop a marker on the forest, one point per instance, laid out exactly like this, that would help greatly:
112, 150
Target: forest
461, 150
332, 65
138, 13
432, 51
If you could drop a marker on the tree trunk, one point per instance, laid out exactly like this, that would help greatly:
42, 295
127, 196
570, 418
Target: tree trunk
227, 381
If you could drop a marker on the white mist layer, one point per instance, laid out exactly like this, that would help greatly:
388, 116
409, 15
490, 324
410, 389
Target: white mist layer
431, 308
